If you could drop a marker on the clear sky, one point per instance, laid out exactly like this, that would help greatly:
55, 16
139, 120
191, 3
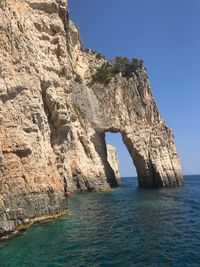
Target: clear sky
166, 35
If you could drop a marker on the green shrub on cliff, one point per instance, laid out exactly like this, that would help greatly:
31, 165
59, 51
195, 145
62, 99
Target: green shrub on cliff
122, 65
103, 74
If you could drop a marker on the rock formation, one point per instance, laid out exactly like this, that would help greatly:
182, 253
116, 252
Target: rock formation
113, 160
53, 121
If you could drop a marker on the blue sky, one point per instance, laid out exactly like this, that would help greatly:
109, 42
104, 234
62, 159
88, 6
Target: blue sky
166, 35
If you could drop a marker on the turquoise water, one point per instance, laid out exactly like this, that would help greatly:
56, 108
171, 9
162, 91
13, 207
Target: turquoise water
124, 227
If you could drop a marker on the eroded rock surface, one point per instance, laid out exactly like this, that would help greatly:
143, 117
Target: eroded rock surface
53, 124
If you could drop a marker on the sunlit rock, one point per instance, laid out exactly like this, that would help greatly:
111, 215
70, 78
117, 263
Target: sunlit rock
53, 120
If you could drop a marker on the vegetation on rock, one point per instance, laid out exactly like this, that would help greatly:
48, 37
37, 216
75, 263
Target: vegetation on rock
76, 109
122, 65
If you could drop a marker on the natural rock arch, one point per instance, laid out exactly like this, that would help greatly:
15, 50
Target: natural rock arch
52, 119
147, 176
127, 106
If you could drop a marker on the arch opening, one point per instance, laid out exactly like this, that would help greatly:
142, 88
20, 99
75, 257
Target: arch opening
144, 169
146, 162
125, 166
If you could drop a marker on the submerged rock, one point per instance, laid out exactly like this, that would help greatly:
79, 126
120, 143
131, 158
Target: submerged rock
53, 119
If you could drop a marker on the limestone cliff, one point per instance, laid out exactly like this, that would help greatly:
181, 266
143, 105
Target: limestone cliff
53, 121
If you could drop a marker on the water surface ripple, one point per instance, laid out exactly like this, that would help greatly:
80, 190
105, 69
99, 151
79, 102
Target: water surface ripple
124, 227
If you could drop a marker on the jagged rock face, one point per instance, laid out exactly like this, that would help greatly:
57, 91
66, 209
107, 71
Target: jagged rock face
52, 124
33, 55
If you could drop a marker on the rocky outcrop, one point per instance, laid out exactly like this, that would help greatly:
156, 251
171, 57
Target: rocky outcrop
53, 121
113, 160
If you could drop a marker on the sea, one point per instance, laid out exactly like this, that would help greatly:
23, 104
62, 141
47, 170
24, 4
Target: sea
126, 226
